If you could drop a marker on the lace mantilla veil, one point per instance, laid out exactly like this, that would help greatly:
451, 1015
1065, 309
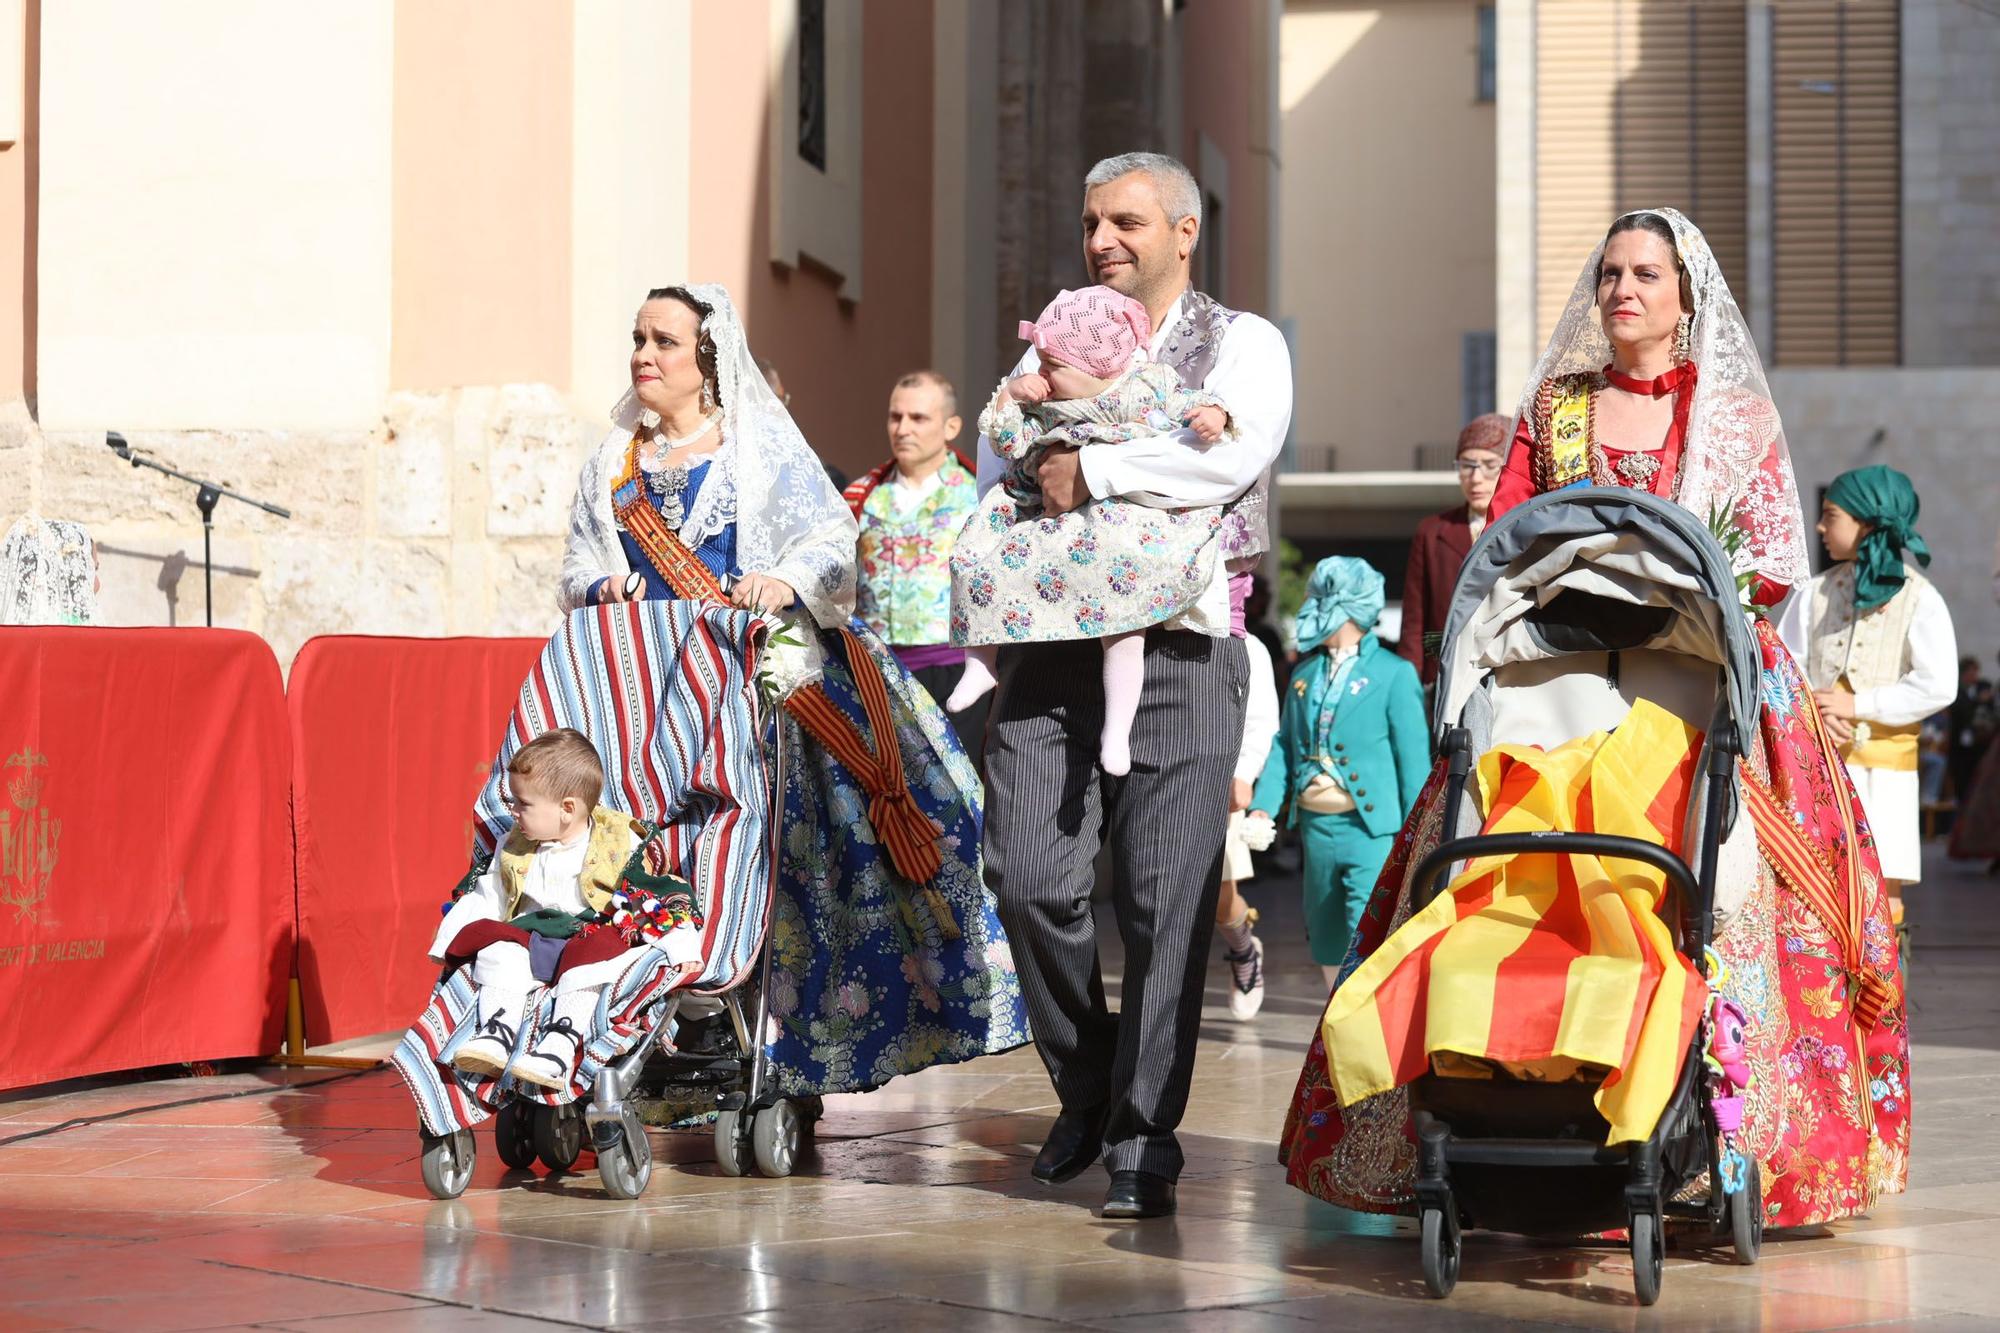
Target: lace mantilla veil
48, 574
1733, 427
790, 521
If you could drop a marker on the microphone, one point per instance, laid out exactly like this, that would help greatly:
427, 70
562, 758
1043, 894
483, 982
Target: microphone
207, 493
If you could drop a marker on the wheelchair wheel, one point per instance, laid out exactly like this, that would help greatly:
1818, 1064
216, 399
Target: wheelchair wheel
514, 1136
1746, 1216
445, 1162
774, 1137
1649, 1256
732, 1145
624, 1157
558, 1135
1441, 1248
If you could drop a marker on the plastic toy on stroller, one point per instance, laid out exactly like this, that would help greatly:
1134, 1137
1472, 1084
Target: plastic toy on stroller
1567, 612
668, 694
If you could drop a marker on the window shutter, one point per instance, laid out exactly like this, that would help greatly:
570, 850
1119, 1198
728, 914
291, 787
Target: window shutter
1836, 182
1639, 104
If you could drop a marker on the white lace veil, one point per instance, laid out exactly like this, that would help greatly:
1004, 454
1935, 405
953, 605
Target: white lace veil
1733, 426
790, 521
48, 574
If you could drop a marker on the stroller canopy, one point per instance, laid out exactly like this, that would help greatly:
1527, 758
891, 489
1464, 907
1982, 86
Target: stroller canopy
1594, 569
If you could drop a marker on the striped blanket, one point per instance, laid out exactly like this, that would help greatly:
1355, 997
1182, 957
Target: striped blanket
1544, 965
666, 691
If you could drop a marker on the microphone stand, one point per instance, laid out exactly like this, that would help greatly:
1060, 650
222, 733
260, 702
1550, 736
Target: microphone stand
207, 493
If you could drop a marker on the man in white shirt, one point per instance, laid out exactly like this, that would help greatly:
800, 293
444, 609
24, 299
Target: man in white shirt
1123, 1079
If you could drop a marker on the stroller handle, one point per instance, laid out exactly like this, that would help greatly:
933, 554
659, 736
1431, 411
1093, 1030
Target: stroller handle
1430, 871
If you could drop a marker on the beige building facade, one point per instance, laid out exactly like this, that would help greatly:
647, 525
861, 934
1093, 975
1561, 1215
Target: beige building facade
1388, 263
390, 286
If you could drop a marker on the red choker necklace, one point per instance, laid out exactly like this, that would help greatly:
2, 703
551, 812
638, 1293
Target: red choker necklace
1658, 387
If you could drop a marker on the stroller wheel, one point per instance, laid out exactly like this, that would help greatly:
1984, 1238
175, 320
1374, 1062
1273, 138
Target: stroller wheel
558, 1135
732, 1145
1746, 1216
624, 1157
514, 1136
1649, 1256
775, 1136
446, 1162
812, 1110
1441, 1243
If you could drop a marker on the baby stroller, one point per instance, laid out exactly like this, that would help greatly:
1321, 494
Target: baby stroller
1566, 612
668, 693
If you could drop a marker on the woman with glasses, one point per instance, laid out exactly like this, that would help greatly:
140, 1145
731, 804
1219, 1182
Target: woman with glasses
1442, 540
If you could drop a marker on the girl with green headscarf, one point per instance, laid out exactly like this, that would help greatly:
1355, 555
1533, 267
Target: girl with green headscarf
1876, 644
1352, 751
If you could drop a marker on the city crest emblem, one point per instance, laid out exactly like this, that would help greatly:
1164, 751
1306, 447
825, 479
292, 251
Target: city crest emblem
28, 837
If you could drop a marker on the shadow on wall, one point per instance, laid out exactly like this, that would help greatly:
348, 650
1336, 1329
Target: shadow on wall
174, 566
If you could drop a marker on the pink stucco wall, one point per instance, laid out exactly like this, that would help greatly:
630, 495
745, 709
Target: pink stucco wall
17, 211
838, 358
1222, 86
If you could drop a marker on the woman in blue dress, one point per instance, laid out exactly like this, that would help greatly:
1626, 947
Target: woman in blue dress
889, 956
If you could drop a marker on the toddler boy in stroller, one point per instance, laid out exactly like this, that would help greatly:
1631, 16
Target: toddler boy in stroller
550, 910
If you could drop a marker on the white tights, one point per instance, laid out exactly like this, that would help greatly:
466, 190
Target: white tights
1124, 681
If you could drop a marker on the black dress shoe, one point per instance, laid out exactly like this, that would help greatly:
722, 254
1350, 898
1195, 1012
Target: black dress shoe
1074, 1142
1138, 1194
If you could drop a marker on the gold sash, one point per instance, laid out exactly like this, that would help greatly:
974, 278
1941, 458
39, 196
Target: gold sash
1886, 747
1569, 434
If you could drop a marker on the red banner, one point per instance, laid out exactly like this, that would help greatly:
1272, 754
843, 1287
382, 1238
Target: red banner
146, 906
392, 739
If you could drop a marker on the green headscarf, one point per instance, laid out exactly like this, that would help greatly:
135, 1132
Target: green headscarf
1884, 499
1341, 589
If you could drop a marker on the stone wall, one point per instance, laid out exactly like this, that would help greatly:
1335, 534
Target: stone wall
447, 518
1951, 184
1939, 427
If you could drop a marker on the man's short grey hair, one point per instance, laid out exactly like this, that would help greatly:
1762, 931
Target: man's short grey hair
1175, 184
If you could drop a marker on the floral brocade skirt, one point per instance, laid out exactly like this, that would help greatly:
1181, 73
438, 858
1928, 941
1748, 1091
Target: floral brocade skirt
871, 977
1827, 1112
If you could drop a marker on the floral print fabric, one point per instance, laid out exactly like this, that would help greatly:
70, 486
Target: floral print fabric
904, 558
866, 982
1021, 576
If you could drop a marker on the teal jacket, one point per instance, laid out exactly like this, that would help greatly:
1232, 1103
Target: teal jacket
1380, 744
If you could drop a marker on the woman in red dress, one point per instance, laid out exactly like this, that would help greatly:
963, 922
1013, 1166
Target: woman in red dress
1651, 381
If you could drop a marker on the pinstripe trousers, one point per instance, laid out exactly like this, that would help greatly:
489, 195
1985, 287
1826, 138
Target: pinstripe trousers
1049, 810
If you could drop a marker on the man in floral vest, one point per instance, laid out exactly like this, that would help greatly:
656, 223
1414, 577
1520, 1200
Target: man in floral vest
910, 509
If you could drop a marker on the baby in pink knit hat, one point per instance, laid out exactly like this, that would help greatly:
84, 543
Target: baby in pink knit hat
1113, 568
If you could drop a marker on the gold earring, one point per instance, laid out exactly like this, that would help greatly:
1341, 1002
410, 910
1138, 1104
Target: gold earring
1684, 339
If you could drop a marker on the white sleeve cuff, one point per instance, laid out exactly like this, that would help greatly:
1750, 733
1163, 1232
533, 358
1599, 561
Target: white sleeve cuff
682, 945
469, 908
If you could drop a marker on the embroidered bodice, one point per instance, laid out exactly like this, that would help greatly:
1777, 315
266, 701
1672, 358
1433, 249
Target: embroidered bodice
717, 549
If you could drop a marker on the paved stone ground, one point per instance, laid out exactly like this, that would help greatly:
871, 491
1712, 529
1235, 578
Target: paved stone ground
290, 1199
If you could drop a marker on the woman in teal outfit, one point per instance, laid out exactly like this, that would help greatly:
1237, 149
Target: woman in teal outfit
1352, 751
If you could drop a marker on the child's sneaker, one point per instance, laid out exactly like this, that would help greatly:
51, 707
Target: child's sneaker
1246, 976
552, 1064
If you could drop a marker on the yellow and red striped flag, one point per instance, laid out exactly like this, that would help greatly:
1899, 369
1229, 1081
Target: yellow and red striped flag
1541, 963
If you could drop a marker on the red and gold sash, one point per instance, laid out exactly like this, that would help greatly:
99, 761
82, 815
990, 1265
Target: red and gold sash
908, 835
1838, 906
